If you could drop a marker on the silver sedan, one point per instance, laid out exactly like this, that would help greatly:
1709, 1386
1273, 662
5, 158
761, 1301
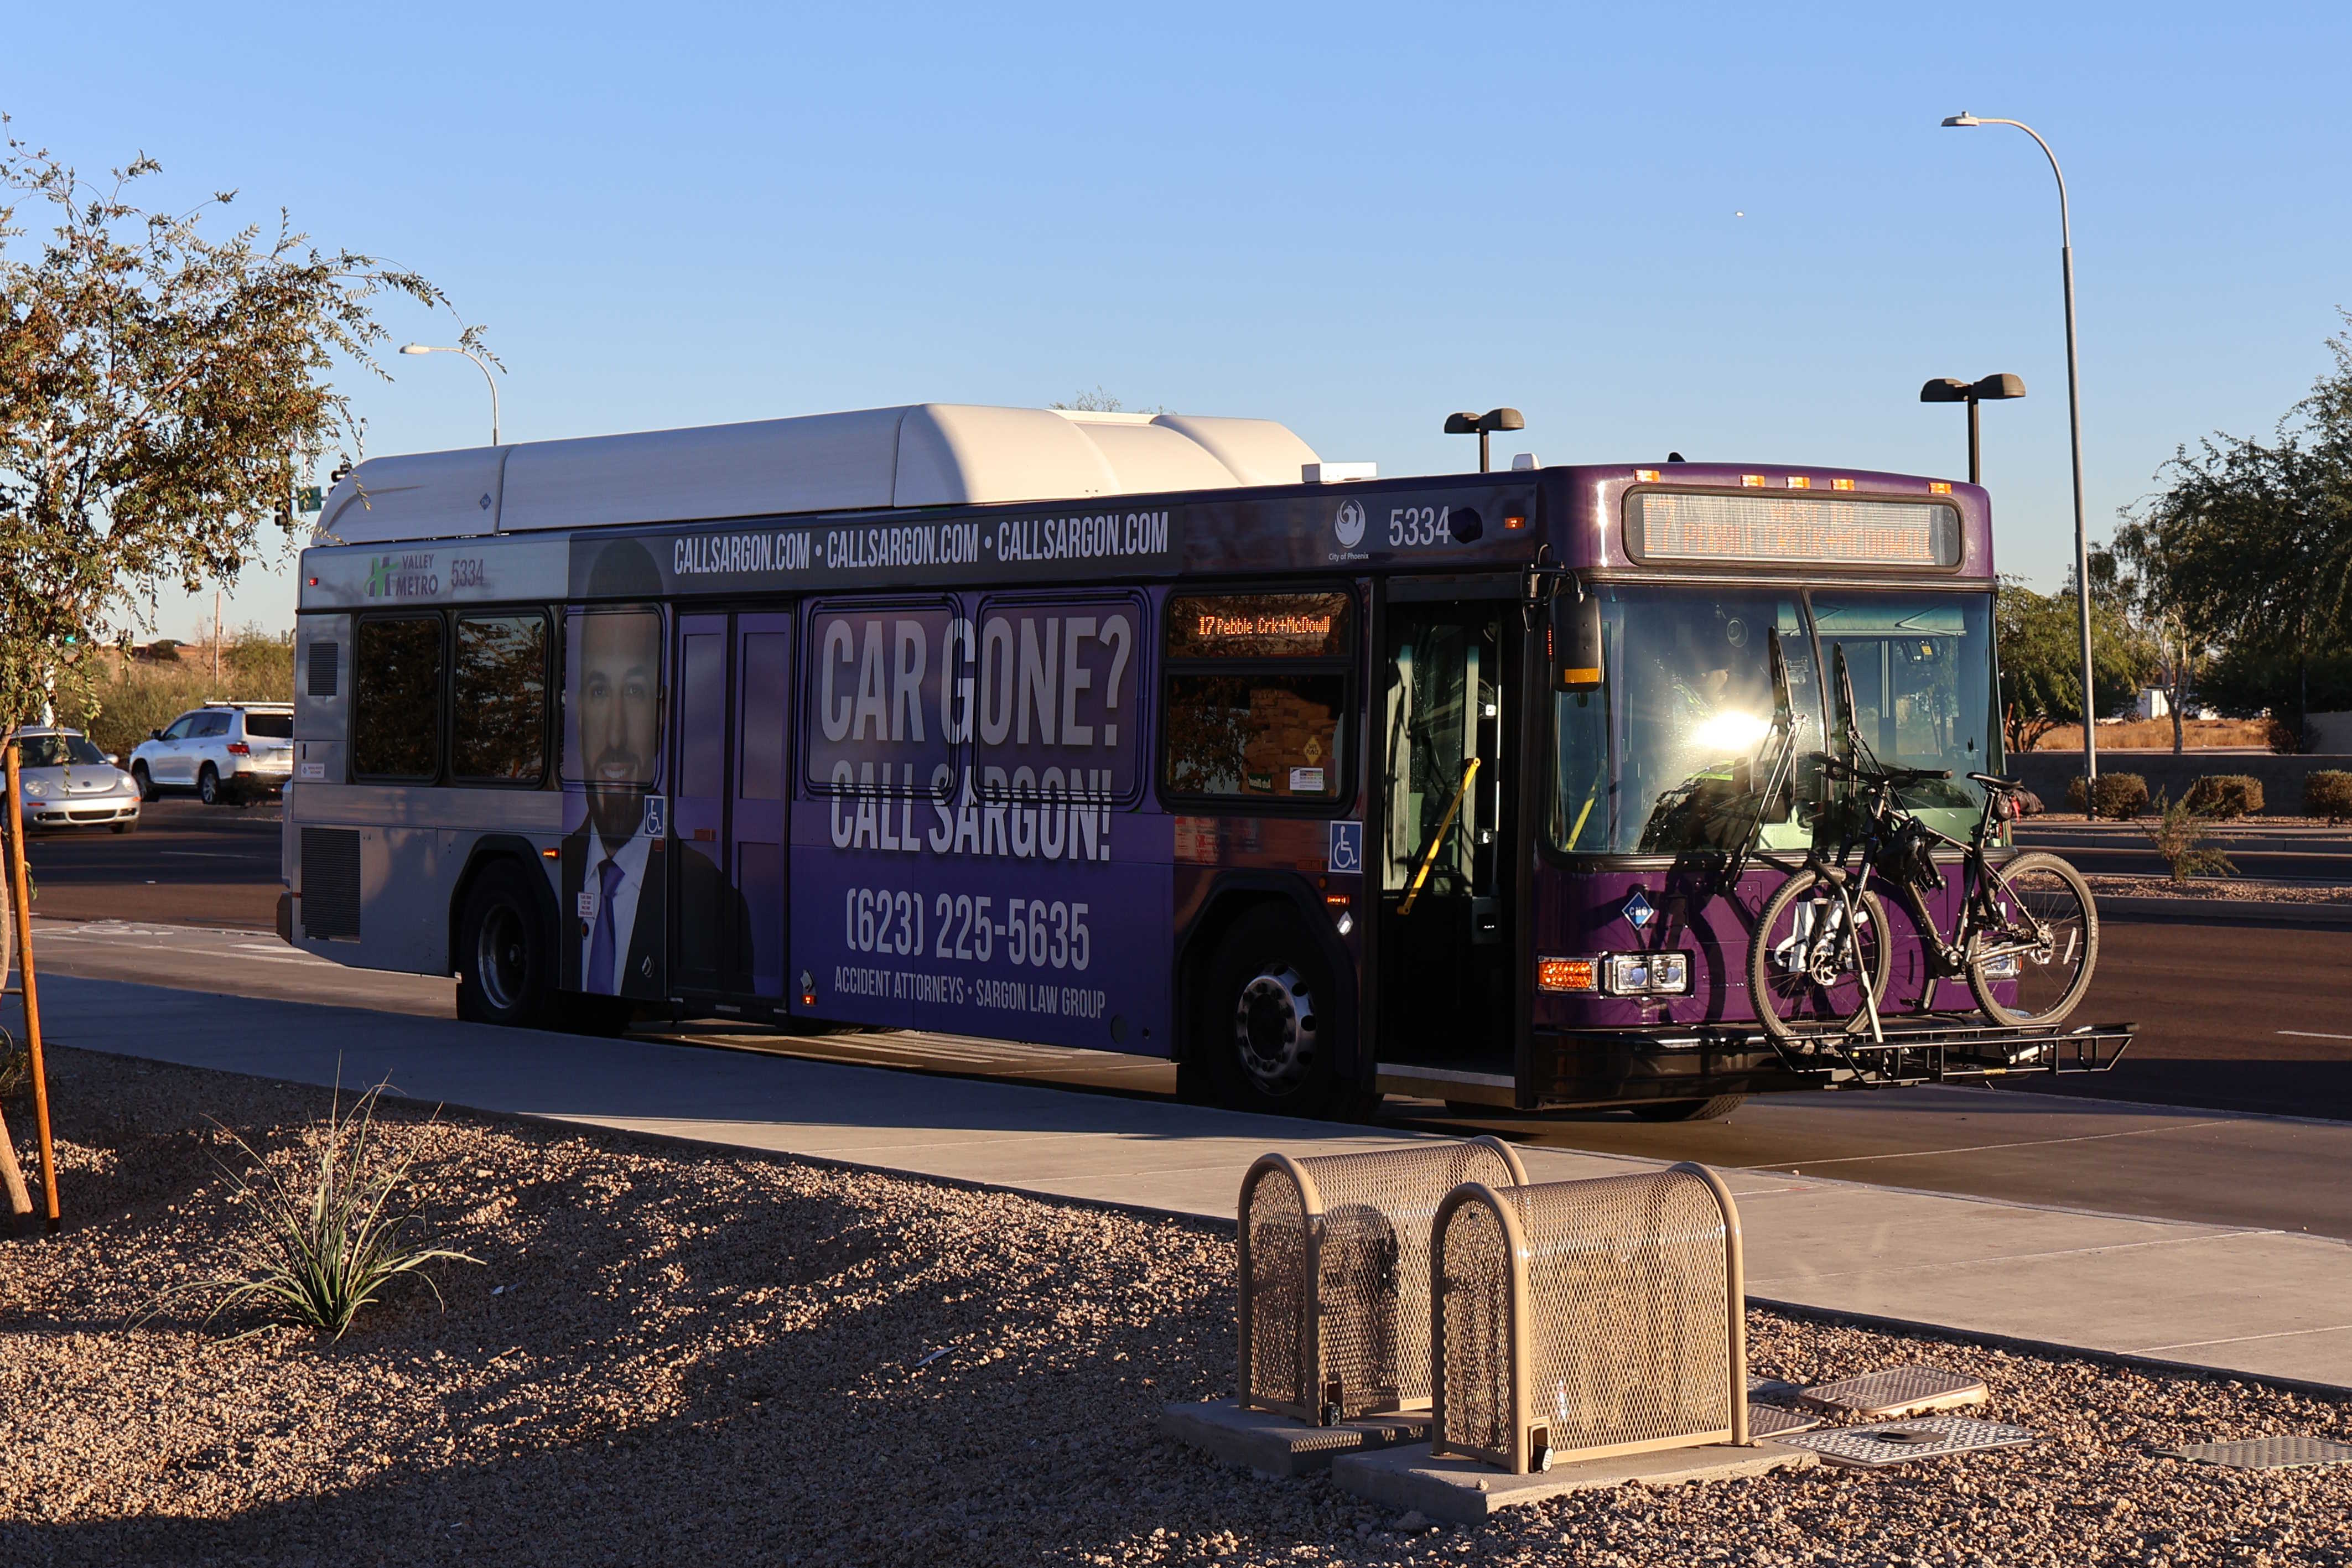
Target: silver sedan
66, 782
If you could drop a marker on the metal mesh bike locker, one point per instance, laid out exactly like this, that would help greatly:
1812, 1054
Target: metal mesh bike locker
1581, 1320
1333, 1255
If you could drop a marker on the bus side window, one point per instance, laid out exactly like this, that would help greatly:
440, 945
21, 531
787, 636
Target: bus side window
397, 677
497, 699
1051, 694
882, 717
1257, 697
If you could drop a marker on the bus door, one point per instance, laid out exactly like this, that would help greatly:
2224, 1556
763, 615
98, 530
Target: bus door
1446, 912
734, 701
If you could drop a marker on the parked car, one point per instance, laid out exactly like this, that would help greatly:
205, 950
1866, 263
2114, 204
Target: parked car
66, 782
223, 751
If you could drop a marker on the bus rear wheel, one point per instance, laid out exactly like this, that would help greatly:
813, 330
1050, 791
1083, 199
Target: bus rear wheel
506, 955
1712, 1110
1268, 1031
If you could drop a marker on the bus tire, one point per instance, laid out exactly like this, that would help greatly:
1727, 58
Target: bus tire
506, 954
1712, 1110
1269, 1029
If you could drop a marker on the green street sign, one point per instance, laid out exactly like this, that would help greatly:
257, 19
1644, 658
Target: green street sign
309, 498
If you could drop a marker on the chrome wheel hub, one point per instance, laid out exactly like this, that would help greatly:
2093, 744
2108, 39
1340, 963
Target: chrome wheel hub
1274, 1029
500, 960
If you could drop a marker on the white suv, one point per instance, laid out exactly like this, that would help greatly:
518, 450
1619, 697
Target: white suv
223, 751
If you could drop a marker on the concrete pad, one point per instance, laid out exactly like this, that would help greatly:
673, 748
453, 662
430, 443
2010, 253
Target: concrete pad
1468, 1492
1278, 1445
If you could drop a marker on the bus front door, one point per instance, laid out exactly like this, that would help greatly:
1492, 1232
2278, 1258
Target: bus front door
1445, 939
733, 712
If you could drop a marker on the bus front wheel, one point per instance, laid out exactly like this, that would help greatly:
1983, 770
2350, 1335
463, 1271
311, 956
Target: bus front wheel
1268, 1035
506, 955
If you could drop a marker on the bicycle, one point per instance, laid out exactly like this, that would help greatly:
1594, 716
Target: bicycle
2028, 928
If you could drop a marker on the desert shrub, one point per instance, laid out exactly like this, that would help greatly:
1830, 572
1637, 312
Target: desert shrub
2225, 797
2119, 796
326, 1238
2327, 792
2178, 833
119, 706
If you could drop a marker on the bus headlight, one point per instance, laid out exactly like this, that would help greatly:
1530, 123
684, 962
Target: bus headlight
1648, 975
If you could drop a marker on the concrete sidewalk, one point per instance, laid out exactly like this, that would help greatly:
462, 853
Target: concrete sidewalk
2237, 1299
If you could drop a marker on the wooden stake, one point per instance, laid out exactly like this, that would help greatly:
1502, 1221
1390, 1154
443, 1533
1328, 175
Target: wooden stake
21, 889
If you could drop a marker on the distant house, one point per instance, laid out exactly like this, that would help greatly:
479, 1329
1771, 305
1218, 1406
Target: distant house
2152, 703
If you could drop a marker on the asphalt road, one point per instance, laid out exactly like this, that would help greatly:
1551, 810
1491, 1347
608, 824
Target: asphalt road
2225, 1168
188, 864
2234, 1018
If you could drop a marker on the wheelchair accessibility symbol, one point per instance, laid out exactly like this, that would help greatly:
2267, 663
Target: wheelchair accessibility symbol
656, 818
1346, 852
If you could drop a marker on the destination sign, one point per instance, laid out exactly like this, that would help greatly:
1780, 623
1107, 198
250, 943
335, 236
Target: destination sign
1797, 530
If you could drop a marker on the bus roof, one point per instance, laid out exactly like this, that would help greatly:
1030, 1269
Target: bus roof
920, 455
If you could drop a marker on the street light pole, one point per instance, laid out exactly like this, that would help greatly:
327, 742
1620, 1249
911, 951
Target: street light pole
1991, 389
2075, 431
434, 349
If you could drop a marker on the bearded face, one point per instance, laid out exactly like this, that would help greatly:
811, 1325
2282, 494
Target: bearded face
620, 718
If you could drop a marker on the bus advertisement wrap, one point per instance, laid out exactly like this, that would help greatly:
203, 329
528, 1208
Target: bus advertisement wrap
973, 860
1057, 546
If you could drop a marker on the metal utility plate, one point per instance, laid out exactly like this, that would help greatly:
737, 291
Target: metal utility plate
1771, 1421
1914, 1389
2265, 1453
1897, 1442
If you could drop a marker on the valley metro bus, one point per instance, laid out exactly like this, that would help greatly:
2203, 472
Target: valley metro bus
1153, 735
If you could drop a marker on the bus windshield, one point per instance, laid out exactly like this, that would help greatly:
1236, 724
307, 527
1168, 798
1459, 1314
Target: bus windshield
1673, 754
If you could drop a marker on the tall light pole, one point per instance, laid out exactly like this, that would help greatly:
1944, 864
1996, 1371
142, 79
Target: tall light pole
433, 349
1964, 121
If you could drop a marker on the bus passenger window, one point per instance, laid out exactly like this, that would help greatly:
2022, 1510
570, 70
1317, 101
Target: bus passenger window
1257, 694
397, 697
1263, 737
497, 699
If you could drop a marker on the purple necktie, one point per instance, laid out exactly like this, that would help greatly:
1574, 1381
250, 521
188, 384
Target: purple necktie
599, 947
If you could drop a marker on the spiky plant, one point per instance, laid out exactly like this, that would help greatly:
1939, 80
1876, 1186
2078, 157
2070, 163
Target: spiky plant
327, 1238
2178, 833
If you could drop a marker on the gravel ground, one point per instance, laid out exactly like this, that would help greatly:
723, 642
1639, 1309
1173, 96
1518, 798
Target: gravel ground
674, 1355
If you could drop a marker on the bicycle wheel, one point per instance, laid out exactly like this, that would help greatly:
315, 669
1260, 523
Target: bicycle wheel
1806, 963
2035, 966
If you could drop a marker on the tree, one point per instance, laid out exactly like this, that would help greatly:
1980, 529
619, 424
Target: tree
2040, 641
161, 394
1101, 401
2250, 546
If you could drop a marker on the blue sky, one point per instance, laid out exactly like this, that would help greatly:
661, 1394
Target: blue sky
1353, 218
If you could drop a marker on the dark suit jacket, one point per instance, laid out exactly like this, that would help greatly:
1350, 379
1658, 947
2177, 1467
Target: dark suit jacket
706, 900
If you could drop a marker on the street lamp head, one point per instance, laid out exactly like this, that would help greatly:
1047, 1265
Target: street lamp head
1997, 388
1963, 119
1945, 389
415, 349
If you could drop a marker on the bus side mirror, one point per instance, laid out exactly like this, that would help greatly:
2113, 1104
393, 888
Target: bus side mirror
1574, 635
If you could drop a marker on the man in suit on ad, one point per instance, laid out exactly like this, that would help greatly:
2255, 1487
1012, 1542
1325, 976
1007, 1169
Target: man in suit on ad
614, 858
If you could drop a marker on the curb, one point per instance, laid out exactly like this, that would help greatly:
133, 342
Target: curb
2133, 908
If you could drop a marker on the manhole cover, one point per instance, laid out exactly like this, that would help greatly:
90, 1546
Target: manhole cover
1913, 1390
1893, 1442
2265, 1453
1771, 1421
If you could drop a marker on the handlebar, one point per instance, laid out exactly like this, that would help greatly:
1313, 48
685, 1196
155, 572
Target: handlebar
1838, 767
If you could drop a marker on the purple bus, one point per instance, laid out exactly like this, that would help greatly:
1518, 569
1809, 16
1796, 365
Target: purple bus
1152, 734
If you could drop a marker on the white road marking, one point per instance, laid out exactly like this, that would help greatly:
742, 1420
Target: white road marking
2314, 1035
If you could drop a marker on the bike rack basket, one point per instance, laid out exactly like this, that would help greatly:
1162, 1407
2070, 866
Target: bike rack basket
1333, 1255
1580, 1320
